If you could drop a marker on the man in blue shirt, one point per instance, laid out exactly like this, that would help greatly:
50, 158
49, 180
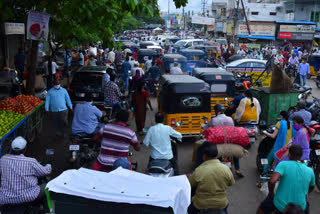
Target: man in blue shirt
296, 181
86, 117
57, 100
302, 113
236, 101
125, 68
303, 70
158, 137
296, 52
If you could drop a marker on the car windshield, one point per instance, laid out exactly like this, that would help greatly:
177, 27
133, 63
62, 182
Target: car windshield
180, 43
91, 81
93, 68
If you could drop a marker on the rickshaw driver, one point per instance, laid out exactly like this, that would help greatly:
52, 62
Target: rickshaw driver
236, 101
158, 137
222, 120
175, 69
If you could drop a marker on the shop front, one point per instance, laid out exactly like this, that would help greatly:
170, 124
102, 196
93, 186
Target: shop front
295, 34
261, 34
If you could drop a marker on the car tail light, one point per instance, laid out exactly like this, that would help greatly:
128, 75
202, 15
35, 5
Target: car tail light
100, 107
173, 122
70, 89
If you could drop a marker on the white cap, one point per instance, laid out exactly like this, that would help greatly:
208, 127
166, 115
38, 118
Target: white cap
18, 144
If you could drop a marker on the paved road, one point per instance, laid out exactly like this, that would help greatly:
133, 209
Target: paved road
244, 197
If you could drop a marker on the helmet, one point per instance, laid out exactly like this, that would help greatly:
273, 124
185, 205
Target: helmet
219, 108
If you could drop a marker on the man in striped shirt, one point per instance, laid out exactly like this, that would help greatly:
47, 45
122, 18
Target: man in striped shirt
19, 176
116, 140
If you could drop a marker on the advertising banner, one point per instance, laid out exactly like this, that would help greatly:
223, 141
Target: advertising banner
211, 28
302, 36
203, 20
298, 28
38, 26
13, 28
257, 29
229, 29
251, 46
285, 35
288, 28
219, 26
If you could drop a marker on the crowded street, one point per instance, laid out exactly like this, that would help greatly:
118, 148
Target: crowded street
160, 107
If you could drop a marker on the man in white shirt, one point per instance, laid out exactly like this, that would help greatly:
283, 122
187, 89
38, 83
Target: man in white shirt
274, 51
158, 137
111, 56
54, 68
148, 64
175, 69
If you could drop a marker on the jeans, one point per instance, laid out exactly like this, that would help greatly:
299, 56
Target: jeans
193, 210
125, 82
303, 80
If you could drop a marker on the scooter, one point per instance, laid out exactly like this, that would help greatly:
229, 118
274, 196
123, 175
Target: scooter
83, 149
252, 130
163, 168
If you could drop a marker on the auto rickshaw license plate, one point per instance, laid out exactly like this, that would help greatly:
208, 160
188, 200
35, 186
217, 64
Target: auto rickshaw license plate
74, 147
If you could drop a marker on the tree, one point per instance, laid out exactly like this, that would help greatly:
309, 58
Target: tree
80, 21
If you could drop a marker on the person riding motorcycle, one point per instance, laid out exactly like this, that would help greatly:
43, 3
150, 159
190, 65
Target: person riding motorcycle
249, 109
86, 117
158, 137
221, 120
236, 101
19, 176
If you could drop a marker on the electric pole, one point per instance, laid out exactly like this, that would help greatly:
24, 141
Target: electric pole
168, 7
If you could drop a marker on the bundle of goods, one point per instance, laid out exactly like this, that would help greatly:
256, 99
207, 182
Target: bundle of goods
231, 141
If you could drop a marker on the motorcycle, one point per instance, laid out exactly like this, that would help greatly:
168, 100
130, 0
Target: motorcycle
161, 167
291, 70
83, 149
252, 130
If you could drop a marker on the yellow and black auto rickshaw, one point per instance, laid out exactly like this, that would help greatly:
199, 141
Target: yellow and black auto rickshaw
184, 98
314, 62
221, 84
169, 60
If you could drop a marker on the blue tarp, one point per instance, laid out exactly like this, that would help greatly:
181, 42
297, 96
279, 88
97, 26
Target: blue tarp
257, 37
296, 22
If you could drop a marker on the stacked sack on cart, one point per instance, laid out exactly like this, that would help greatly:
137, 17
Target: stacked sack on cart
14, 110
231, 141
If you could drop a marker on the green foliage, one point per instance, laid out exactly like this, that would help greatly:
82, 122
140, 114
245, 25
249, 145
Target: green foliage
82, 21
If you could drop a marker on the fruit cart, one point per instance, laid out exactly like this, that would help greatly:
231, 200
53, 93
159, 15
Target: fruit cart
19, 120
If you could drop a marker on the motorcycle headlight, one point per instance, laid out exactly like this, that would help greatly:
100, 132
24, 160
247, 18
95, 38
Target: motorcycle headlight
300, 96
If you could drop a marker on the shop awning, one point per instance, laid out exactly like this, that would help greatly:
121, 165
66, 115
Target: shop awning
257, 37
296, 22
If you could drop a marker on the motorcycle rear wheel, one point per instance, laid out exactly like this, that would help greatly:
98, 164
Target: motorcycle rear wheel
318, 85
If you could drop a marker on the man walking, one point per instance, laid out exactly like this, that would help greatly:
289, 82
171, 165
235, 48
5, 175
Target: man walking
125, 68
57, 101
303, 70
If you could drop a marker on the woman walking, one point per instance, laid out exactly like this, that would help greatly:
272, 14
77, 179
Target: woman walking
139, 103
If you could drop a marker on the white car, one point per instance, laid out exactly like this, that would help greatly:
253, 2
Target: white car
247, 65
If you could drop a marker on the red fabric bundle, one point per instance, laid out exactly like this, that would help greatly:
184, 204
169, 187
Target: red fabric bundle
219, 135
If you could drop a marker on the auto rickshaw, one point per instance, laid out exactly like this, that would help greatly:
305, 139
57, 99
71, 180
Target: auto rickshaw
195, 58
209, 51
130, 45
143, 56
221, 84
184, 98
314, 62
144, 45
170, 59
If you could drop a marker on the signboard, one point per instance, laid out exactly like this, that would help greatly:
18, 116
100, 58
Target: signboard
302, 36
211, 28
257, 29
298, 28
284, 35
229, 29
38, 26
251, 46
203, 20
13, 28
219, 26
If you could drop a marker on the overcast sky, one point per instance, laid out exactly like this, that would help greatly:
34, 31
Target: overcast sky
193, 5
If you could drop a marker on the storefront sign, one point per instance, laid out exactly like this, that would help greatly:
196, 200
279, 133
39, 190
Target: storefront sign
302, 36
211, 28
251, 46
38, 26
14, 28
229, 29
257, 29
288, 28
285, 35
317, 35
219, 26
203, 20
298, 28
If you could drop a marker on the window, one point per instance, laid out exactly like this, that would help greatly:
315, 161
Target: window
244, 65
191, 101
273, 13
258, 65
189, 44
254, 13
218, 88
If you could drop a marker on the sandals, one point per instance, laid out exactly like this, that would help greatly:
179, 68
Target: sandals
239, 174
